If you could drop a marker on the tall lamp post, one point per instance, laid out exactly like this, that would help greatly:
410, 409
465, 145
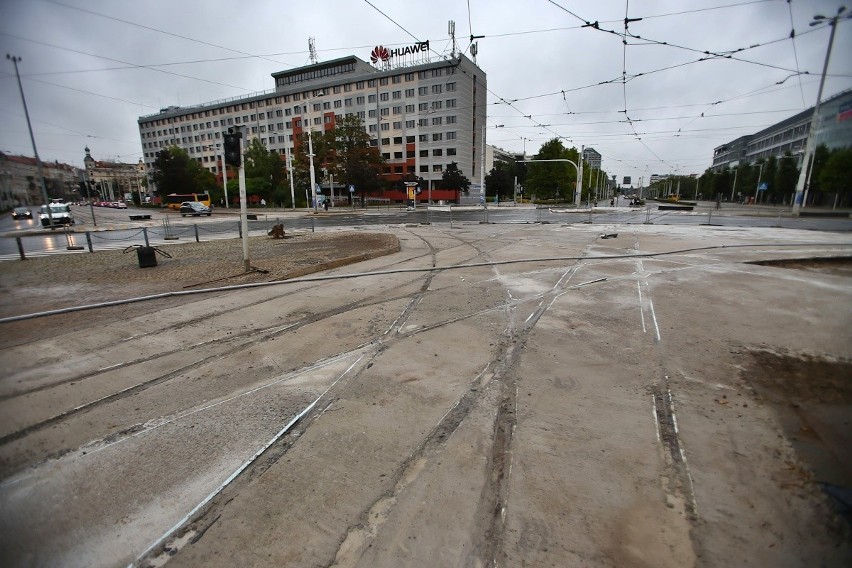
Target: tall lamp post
14, 60
810, 146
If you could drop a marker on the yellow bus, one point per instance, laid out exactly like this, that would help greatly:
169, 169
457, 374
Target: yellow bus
173, 200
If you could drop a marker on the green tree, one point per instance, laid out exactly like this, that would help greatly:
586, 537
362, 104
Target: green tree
786, 177
453, 178
265, 172
552, 180
175, 172
348, 153
821, 156
835, 175
500, 181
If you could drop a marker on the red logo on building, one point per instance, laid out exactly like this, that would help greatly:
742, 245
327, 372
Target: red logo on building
379, 53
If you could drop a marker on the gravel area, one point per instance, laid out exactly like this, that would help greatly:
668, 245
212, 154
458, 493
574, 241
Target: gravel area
45, 283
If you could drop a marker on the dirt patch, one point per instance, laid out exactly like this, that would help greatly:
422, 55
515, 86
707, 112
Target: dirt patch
841, 265
55, 282
813, 399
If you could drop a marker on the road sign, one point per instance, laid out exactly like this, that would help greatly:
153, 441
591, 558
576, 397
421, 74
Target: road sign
763, 186
351, 189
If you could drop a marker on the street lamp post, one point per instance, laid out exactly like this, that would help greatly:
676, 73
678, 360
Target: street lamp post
14, 60
757, 189
810, 146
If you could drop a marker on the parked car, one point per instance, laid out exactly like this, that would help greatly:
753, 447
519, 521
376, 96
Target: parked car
22, 213
61, 213
121, 205
194, 208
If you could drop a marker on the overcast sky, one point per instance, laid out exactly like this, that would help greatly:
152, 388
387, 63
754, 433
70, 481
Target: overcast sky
91, 68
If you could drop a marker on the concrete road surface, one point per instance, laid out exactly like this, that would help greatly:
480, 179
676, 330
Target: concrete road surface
515, 395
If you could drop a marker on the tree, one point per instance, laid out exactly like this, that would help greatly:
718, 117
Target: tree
787, 176
453, 178
500, 180
175, 172
552, 180
265, 172
835, 174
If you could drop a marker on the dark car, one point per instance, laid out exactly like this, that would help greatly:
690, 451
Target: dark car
194, 208
22, 213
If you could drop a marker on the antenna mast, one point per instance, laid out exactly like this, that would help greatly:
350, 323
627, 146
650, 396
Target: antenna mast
312, 49
451, 29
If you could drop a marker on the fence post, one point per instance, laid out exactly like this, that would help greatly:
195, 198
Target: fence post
89, 240
312, 225
195, 226
20, 248
145, 234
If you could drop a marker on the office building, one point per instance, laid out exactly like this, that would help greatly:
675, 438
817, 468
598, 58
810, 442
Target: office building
422, 111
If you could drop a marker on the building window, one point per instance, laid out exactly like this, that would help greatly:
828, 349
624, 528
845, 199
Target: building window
409, 139
397, 140
409, 108
437, 152
371, 83
422, 90
451, 151
423, 122
371, 98
436, 121
409, 154
336, 89
372, 113
451, 87
422, 74
451, 135
383, 81
409, 93
385, 126
409, 124
409, 76
424, 153
424, 169
326, 105
385, 141
338, 104
423, 138
451, 119
437, 104
423, 106
437, 168
397, 110
396, 79
359, 85
347, 102
397, 155
437, 137
360, 99
347, 88
384, 97
436, 89
371, 128
397, 125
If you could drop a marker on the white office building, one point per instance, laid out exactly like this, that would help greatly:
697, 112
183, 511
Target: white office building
422, 113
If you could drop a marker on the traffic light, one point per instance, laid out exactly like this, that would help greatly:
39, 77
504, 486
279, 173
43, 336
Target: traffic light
233, 147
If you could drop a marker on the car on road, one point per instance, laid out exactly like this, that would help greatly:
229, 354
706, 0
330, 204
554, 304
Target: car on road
60, 212
120, 205
22, 213
194, 208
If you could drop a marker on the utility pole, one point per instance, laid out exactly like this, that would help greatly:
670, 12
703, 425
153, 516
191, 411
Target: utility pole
14, 60
224, 178
804, 175
579, 188
290, 171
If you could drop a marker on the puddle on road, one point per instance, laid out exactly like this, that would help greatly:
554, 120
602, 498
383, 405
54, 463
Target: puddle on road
813, 399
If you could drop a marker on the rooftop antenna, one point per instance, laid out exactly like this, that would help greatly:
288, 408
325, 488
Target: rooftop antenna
312, 49
474, 49
451, 29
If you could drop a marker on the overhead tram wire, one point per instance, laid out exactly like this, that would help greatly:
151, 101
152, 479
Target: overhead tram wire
128, 22
134, 65
795, 52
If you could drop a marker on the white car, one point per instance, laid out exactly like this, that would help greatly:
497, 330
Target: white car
60, 212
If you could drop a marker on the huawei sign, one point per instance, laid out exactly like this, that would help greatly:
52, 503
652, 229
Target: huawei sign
379, 53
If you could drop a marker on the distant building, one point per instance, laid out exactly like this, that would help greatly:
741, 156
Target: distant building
422, 114
19, 183
592, 157
834, 129
494, 154
112, 180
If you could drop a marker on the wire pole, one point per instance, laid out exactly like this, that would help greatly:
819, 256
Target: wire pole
810, 146
14, 60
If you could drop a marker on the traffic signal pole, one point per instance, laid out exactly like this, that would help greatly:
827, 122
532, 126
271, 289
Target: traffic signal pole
244, 212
